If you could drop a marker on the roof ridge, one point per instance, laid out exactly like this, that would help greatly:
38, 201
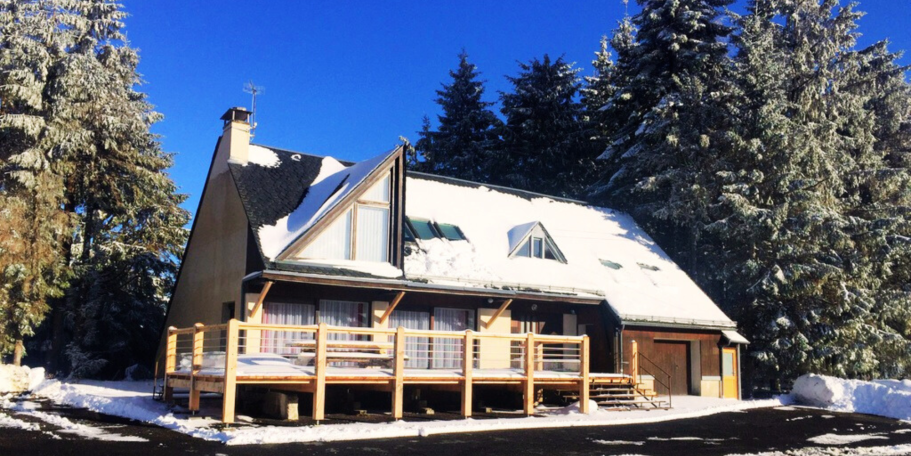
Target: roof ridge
503, 187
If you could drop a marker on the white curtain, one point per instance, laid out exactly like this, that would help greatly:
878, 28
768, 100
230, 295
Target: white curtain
447, 352
372, 233
344, 313
416, 348
280, 313
334, 243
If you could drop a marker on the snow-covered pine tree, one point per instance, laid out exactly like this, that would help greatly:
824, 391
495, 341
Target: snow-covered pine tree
809, 235
94, 134
544, 145
596, 92
461, 146
667, 120
33, 230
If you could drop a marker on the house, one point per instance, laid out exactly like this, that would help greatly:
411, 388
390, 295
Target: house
519, 284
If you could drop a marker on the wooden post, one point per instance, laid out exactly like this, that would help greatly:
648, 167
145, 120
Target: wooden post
230, 393
319, 363
260, 299
539, 356
499, 312
583, 387
170, 363
198, 337
530, 374
398, 369
395, 302
467, 371
634, 363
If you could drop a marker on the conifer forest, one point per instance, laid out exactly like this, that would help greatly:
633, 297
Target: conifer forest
766, 152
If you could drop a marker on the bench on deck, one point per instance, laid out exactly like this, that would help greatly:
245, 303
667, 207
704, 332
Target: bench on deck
341, 350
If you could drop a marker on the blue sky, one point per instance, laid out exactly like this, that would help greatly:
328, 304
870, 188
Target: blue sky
347, 78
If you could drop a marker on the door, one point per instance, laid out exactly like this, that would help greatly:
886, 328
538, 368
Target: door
729, 373
674, 358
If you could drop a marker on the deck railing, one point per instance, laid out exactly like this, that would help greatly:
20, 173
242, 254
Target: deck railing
209, 353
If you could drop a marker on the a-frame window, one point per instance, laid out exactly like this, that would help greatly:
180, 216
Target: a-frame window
361, 233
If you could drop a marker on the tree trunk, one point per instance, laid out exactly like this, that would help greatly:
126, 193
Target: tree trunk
17, 353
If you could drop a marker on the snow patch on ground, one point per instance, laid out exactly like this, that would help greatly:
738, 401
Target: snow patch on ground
889, 450
68, 427
134, 400
837, 439
889, 398
617, 442
7, 421
19, 379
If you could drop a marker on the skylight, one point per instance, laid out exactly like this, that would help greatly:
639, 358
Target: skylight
611, 264
451, 232
407, 233
648, 267
422, 228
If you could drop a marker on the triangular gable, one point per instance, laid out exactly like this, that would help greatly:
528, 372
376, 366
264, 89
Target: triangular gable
520, 234
335, 188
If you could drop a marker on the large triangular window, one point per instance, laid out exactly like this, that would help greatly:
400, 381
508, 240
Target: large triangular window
360, 233
531, 240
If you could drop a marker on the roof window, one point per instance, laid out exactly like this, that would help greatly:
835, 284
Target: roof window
611, 264
422, 228
648, 267
451, 232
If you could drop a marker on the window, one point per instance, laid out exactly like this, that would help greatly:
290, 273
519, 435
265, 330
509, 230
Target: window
648, 267
451, 232
369, 219
537, 247
407, 233
423, 229
611, 264
447, 352
416, 348
531, 240
279, 313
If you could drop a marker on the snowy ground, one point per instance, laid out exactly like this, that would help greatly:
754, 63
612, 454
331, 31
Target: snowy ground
133, 400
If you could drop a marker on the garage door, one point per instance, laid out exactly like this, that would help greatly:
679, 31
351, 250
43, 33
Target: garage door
674, 358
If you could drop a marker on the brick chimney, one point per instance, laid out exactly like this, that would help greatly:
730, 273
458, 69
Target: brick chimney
236, 134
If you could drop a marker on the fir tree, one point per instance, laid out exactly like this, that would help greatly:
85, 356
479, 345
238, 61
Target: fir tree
90, 126
667, 120
461, 146
812, 216
544, 147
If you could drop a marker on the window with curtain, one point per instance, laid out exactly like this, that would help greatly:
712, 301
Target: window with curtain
447, 352
416, 348
344, 313
280, 313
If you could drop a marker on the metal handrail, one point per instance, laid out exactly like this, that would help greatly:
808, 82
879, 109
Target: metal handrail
669, 378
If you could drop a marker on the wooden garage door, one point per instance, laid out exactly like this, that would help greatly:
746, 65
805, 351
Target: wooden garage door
674, 358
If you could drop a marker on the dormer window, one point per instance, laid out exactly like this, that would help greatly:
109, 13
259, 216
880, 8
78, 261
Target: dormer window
531, 240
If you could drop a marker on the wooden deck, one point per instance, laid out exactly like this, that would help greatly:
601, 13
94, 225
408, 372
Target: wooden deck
218, 358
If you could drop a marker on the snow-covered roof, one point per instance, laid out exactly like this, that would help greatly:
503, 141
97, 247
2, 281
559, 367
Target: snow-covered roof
608, 257
334, 182
646, 287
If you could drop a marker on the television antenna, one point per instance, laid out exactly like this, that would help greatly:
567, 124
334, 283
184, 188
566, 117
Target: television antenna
253, 90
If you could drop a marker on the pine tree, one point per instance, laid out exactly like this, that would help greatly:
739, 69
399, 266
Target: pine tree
668, 119
544, 147
461, 146
812, 214
72, 87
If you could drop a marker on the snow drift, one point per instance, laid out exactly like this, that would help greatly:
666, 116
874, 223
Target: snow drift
889, 398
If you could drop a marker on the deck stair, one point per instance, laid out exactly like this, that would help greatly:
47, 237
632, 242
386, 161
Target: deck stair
622, 396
